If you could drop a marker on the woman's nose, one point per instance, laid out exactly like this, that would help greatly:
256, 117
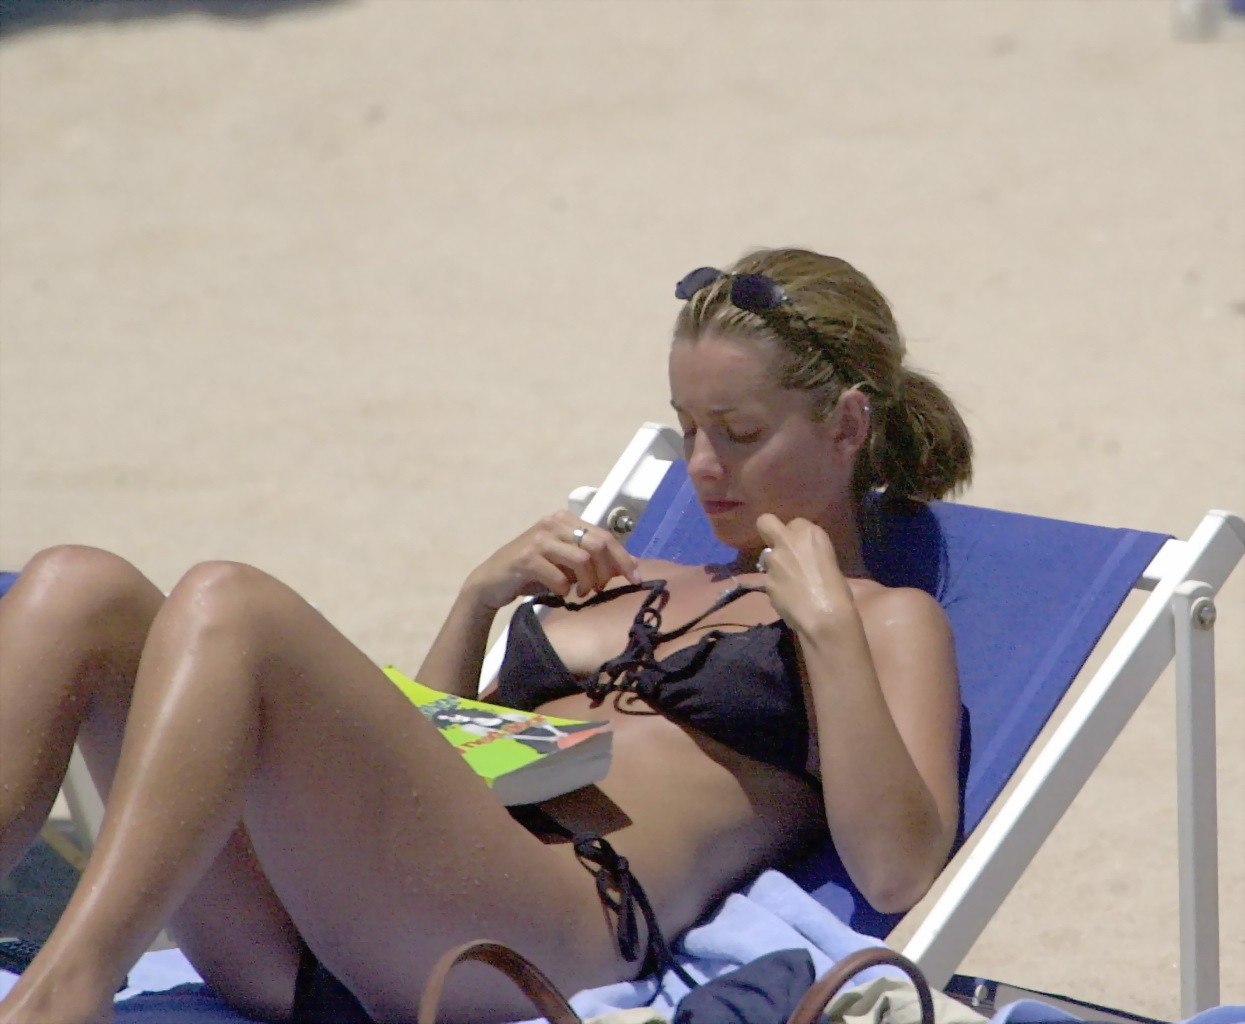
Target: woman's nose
702, 460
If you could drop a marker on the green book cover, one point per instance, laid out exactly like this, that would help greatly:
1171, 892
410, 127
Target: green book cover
524, 756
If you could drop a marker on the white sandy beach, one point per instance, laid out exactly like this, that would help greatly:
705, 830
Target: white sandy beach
357, 290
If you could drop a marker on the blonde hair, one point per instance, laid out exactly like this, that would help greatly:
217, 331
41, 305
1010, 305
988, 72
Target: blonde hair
836, 333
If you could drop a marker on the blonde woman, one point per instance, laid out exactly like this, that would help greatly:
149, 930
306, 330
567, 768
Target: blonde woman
310, 839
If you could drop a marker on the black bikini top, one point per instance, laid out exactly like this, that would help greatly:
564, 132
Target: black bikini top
740, 687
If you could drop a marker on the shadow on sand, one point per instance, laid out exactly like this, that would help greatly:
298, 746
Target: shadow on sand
22, 15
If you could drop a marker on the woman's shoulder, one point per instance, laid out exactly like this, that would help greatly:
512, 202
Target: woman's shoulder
896, 605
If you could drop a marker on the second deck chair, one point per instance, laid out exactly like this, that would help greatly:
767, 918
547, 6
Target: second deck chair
1028, 599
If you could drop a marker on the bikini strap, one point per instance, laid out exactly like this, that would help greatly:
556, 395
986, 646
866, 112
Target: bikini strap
554, 601
726, 597
618, 889
643, 639
621, 893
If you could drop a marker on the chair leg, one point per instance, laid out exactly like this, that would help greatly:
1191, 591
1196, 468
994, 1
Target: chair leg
1193, 613
64, 846
86, 809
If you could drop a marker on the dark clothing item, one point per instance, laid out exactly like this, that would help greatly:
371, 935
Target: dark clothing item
765, 991
319, 998
740, 687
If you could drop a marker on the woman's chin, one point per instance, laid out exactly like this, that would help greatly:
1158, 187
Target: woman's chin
733, 535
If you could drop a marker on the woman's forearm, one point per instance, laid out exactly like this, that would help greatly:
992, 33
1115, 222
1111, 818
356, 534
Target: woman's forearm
454, 660
886, 822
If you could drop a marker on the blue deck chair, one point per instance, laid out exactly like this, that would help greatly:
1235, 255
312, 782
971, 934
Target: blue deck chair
1028, 599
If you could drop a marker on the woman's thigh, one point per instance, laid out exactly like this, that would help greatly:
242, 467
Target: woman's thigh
383, 845
79, 618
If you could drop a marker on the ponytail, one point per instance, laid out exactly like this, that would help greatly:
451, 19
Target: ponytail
919, 447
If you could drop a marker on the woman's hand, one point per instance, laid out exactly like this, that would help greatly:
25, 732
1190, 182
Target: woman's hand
802, 575
558, 555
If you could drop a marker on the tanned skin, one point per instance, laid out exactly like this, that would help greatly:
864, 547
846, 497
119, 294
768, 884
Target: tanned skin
265, 781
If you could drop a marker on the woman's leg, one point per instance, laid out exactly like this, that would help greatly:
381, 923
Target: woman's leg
379, 840
72, 632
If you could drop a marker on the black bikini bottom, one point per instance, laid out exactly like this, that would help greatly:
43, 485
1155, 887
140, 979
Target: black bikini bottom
320, 998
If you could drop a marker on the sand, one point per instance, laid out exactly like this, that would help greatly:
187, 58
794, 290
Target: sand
356, 290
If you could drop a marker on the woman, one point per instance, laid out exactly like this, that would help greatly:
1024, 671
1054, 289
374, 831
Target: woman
276, 802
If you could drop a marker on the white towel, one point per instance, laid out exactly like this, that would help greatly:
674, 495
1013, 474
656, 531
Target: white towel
772, 913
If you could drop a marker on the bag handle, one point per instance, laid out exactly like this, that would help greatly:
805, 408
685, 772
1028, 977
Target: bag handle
554, 1007
538, 988
825, 988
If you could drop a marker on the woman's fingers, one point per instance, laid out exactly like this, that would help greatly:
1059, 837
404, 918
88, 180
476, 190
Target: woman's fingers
802, 574
800, 537
796, 541
592, 556
770, 527
560, 554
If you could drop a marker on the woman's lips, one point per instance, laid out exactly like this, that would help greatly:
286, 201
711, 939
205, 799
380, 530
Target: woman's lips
717, 507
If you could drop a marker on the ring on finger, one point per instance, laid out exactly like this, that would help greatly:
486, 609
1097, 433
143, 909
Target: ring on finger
579, 533
763, 560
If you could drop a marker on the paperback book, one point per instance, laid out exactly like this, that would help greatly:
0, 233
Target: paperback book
524, 756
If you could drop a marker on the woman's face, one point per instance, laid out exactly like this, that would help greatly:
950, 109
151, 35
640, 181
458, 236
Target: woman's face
751, 445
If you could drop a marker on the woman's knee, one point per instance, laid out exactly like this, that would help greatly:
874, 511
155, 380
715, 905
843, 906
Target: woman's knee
75, 587
231, 596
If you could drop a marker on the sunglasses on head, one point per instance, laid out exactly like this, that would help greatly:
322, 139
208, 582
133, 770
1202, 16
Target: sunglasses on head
754, 293
762, 296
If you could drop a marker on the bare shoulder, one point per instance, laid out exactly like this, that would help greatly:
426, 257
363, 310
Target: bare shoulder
906, 629
896, 606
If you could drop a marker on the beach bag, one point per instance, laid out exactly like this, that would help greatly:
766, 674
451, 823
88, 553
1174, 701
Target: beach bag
886, 1001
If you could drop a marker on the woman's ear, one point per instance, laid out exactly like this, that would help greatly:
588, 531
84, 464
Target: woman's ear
852, 419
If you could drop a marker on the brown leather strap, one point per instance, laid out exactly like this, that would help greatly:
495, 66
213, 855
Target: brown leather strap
539, 989
829, 984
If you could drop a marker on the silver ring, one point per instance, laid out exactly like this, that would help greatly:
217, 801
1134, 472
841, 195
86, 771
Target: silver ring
763, 559
579, 533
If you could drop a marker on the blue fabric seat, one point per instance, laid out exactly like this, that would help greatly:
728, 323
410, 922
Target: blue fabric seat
1027, 597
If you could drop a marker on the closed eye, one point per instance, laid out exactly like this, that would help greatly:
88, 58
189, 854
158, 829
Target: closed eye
690, 431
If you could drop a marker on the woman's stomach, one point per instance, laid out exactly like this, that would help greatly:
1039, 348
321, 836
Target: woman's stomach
694, 818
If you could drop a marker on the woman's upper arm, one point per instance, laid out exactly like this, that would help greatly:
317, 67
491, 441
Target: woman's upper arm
913, 653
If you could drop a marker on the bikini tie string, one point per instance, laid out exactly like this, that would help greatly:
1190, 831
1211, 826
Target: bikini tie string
620, 892
618, 674
637, 669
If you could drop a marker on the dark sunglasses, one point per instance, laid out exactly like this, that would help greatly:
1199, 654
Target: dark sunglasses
754, 293
763, 296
